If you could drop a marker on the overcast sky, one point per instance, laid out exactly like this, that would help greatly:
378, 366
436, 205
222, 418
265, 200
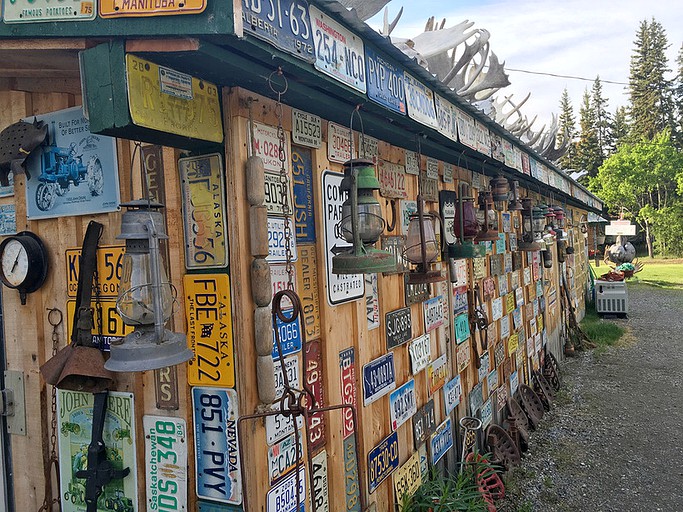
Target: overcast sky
573, 37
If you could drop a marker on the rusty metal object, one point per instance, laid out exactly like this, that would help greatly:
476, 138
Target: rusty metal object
543, 390
17, 141
519, 424
533, 407
551, 371
490, 484
503, 448
471, 426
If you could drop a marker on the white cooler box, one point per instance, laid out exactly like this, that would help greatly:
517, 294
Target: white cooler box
611, 297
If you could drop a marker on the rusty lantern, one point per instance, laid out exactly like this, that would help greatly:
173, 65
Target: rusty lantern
500, 190
515, 205
487, 234
422, 248
465, 227
528, 243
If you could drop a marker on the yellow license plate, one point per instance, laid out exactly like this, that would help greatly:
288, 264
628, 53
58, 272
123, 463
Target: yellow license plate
120, 8
109, 266
408, 477
110, 322
209, 330
170, 101
307, 275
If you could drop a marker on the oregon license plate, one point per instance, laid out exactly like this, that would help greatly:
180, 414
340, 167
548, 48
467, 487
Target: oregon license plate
218, 475
109, 267
106, 319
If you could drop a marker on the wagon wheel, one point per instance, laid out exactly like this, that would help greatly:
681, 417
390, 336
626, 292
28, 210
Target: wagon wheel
519, 424
502, 446
543, 389
46, 196
533, 407
95, 177
551, 371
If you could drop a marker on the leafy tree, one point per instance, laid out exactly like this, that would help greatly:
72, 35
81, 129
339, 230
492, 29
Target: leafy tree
588, 154
650, 92
619, 128
602, 118
567, 130
640, 181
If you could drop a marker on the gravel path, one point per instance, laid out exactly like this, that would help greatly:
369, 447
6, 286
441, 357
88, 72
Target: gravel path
614, 438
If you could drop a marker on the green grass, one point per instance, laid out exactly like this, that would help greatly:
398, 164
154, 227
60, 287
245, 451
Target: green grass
661, 273
601, 332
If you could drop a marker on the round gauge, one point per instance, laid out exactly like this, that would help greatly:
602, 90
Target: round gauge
23, 263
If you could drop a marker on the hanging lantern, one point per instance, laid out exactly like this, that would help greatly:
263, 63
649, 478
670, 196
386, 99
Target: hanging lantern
465, 227
146, 297
362, 223
528, 242
547, 256
515, 204
487, 234
422, 249
500, 190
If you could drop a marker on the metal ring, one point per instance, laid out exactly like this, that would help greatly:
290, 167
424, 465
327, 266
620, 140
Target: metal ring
277, 305
55, 316
271, 82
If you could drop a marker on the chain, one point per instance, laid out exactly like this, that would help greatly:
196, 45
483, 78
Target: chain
98, 309
280, 90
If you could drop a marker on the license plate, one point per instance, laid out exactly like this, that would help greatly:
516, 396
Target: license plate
448, 201
166, 462
408, 477
277, 244
492, 380
476, 397
451, 394
278, 426
306, 129
216, 449
304, 205
463, 356
486, 413
313, 369
289, 333
497, 308
41, 10
110, 321
441, 441
432, 168
436, 373
320, 483
372, 301
460, 304
292, 371
351, 482
420, 350
429, 188
502, 397
279, 279
282, 457
283, 497
392, 180
385, 82
399, 327
201, 183
382, 461
412, 163
420, 101
109, 267
286, 28
479, 267
339, 53
378, 378
402, 404
266, 145
462, 328
209, 332
118, 9
415, 293
395, 244
347, 375
276, 195
513, 344
338, 143
445, 113
307, 280
433, 313
424, 422
448, 173
368, 147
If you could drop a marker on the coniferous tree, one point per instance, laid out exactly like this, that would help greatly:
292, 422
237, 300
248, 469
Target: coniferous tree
602, 119
677, 131
588, 155
619, 128
567, 131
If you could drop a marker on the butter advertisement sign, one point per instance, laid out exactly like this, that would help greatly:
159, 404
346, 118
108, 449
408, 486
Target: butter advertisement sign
74, 427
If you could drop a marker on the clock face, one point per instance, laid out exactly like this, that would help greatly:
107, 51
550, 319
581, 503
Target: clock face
14, 262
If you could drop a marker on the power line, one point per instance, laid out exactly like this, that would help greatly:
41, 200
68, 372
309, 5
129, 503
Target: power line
565, 76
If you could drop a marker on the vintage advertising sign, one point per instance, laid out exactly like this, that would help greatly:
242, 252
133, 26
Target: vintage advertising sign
463, 356
402, 404
339, 53
276, 193
165, 462
462, 328
42, 10
209, 330
288, 29
306, 128
420, 350
412, 162
420, 101
167, 100
133, 8
486, 413
415, 293
277, 242
347, 367
372, 301
292, 369
433, 313
408, 477
385, 81
445, 113
424, 422
307, 287
340, 287
218, 474
266, 145
282, 457
339, 143
109, 268
436, 373
379, 378
399, 327
283, 496
74, 172
74, 424
452, 391
382, 461
201, 186
392, 180
107, 323
313, 369
441, 441
320, 483
351, 481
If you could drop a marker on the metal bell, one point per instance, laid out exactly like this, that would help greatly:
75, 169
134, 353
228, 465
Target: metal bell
78, 368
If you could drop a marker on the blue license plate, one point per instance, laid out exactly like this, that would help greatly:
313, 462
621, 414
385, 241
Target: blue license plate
302, 176
385, 82
378, 378
216, 449
283, 23
290, 335
382, 461
352, 486
441, 441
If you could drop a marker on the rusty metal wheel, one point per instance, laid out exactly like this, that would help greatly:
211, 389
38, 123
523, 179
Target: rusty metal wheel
533, 407
543, 390
551, 371
519, 424
503, 448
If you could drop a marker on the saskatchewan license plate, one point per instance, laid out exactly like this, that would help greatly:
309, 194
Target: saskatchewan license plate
166, 461
218, 475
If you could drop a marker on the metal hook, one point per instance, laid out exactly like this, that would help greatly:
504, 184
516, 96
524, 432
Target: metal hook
391, 225
55, 316
361, 140
273, 86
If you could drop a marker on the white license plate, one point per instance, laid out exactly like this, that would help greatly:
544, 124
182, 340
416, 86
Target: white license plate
320, 482
276, 194
282, 457
277, 243
306, 129
283, 497
292, 369
166, 462
278, 426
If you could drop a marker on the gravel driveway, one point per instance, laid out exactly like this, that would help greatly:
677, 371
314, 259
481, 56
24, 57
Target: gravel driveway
614, 438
